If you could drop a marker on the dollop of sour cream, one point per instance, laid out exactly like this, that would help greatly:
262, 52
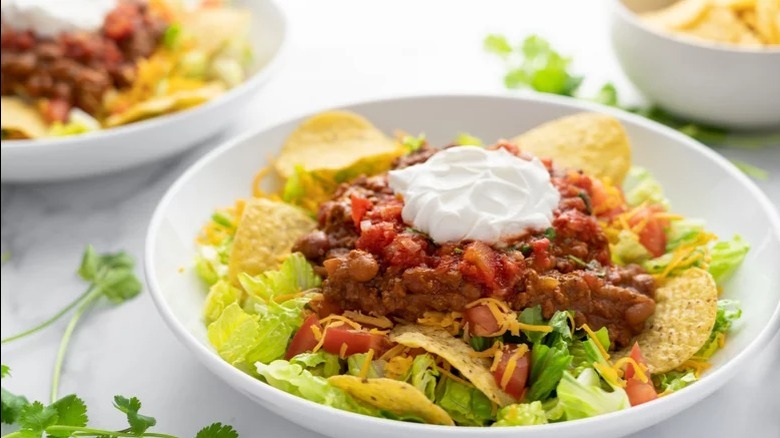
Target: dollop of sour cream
468, 192
48, 18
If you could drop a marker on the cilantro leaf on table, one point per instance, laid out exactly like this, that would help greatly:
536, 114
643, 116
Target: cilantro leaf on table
217, 430
36, 417
130, 406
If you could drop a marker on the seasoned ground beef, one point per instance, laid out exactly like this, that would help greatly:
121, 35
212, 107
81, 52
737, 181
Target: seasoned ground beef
377, 264
76, 69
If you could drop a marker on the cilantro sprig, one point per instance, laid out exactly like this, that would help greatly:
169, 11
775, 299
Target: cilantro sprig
111, 277
67, 417
534, 64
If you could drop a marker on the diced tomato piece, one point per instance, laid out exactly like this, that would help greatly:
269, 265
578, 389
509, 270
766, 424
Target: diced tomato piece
360, 206
480, 320
600, 200
304, 339
636, 354
652, 235
516, 384
55, 110
483, 258
120, 23
357, 341
640, 392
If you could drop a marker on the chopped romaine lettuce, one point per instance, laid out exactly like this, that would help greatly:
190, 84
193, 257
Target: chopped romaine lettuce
673, 380
728, 312
641, 186
686, 231
221, 294
355, 364
321, 363
423, 375
294, 379
582, 397
295, 275
627, 249
194, 64
211, 262
726, 257
79, 122
532, 316
547, 367
467, 405
227, 70
523, 414
235, 334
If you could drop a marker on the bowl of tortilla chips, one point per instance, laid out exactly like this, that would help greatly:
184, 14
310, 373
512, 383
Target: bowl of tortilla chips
286, 261
710, 61
125, 95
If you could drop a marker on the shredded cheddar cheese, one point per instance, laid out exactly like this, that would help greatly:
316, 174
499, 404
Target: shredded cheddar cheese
343, 350
532, 327
342, 319
639, 369
285, 297
495, 302
698, 366
592, 335
490, 352
366, 364
393, 352
321, 341
317, 332
376, 321
609, 374
511, 365
398, 366
449, 321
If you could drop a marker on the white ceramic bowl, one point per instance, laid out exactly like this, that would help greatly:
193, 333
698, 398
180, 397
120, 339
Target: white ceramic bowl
700, 81
699, 183
149, 140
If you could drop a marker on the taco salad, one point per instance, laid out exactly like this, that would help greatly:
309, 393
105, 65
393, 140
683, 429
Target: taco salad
530, 281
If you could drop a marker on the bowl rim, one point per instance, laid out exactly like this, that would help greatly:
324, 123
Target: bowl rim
631, 17
261, 390
159, 122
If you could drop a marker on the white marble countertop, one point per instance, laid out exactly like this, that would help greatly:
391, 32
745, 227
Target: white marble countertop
340, 51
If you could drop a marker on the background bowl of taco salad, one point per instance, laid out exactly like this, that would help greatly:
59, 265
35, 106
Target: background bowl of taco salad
709, 61
697, 181
149, 139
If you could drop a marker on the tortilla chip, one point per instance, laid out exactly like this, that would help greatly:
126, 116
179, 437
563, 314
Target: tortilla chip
265, 236
166, 104
686, 307
722, 24
394, 396
212, 28
20, 120
441, 343
332, 141
736, 5
678, 15
767, 20
595, 143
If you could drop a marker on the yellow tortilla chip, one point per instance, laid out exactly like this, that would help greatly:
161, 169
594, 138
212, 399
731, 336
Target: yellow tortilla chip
686, 307
20, 120
394, 396
737, 5
332, 141
678, 15
722, 24
441, 343
265, 236
595, 143
173, 102
768, 20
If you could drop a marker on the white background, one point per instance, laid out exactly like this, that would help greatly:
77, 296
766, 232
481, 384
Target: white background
340, 51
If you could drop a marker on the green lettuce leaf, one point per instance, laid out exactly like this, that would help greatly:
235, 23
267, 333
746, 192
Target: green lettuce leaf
523, 414
221, 294
466, 405
547, 367
532, 316
641, 186
294, 379
234, 335
726, 258
673, 380
582, 397
423, 375
211, 262
728, 312
683, 232
355, 365
321, 363
295, 275
628, 250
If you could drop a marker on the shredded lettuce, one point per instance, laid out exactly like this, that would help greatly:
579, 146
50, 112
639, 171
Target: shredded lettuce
355, 365
221, 294
583, 397
295, 275
549, 359
726, 257
683, 232
294, 379
641, 186
467, 405
532, 316
728, 312
673, 380
321, 363
628, 250
423, 375
523, 414
211, 262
